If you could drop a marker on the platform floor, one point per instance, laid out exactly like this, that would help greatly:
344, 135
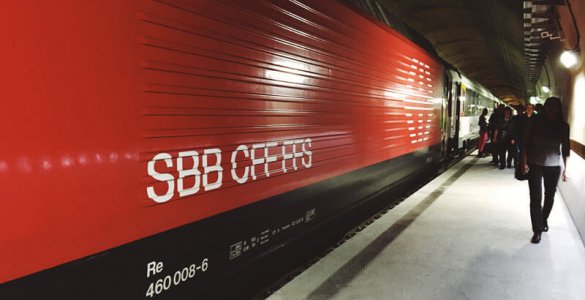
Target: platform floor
465, 235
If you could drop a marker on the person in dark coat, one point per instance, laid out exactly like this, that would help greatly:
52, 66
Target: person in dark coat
503, 139
493, 123
518, 127
546, 141
538, 108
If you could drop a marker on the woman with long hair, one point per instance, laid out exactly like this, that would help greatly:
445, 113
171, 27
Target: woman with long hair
483, 132
546, 141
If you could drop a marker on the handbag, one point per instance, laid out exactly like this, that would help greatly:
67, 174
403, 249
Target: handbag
519, 173
488, 148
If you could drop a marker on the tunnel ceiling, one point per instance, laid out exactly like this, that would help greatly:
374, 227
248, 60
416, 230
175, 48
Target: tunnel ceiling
481, 38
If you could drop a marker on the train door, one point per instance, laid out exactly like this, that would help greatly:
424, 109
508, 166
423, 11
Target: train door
453, 111
458, 100
462, 123
445, 115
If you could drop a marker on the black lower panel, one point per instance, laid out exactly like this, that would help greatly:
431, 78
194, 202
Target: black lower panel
234, 254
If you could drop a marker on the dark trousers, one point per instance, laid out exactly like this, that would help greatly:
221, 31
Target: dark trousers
495, 151
517, 148
503, 147
539, 214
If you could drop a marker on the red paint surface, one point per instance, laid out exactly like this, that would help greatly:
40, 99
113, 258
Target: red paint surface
92, 92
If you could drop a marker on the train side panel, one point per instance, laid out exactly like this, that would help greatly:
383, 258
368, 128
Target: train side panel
157, 148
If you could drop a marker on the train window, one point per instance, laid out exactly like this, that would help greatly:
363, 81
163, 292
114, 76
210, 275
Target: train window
468, 104
484, 103
475, 103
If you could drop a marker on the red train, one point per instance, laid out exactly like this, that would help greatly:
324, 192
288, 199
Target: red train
172, 148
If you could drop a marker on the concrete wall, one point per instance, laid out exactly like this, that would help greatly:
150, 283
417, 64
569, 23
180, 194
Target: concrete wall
573, 192
570, 85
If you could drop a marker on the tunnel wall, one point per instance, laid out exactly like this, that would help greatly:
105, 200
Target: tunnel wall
571, 86
573, 191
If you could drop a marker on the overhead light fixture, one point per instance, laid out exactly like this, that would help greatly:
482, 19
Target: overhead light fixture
568, 58
545, 89
534, 100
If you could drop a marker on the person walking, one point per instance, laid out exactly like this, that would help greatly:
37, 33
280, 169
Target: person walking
494, 120
503, 139
483, 133
518, 127
546, 141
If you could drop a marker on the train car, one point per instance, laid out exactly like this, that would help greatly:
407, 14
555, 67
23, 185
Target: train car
174, 149
466, 99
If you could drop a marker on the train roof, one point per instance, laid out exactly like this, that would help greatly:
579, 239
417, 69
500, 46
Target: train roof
376, 11
473, 85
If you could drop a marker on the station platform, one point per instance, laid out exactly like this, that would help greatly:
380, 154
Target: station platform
465, 235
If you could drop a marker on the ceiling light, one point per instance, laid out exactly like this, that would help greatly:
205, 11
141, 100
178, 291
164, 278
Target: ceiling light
568, 58
534, 100
545, 89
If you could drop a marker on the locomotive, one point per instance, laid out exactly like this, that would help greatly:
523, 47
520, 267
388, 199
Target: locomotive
174, 149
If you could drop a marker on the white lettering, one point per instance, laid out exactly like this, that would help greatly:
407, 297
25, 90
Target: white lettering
202, 173
295, 153
256, 161
308, 153
285, 155
190, 172
244, 178
161, 177
215, 168
269, 158
153, 268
